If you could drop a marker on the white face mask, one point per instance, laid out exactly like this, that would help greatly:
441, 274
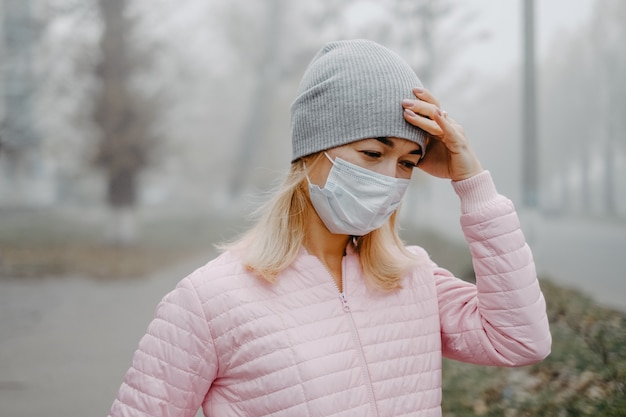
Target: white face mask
355, 200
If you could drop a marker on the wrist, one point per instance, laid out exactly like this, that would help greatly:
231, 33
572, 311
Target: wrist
468, 175
475, 192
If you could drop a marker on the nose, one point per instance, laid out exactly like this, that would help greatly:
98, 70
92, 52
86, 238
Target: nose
389, 169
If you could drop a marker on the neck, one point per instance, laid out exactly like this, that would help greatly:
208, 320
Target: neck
329, 248
326, 247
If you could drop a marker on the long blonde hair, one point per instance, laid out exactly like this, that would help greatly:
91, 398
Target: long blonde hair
274, 241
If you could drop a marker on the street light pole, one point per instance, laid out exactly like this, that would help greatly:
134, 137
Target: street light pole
530, 163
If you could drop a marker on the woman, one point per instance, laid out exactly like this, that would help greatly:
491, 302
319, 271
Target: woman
320, 309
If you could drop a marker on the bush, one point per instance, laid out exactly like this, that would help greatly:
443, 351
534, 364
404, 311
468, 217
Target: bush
584, 375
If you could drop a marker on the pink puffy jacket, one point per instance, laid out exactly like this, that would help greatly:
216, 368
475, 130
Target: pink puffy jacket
234, 345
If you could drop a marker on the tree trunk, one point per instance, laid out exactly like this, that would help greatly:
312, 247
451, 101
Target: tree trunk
122, 150
123, 147
19, 139
259, 108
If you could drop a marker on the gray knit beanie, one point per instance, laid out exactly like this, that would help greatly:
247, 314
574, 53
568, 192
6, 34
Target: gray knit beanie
352, 90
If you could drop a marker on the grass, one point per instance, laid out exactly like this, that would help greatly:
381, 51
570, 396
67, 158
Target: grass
585, 375
94, 260
37, 244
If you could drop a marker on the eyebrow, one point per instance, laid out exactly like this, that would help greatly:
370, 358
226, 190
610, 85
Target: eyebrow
388, 142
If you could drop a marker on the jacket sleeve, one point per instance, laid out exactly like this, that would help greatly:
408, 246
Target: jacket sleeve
502, 319
175, 363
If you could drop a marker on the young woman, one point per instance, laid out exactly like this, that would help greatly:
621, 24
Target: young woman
320, 310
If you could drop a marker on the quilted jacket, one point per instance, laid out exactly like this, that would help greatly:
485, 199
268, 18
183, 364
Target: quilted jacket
234, 345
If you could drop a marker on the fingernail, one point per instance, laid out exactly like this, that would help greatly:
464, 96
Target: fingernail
418, 90
439, 113
407, 102
409, 112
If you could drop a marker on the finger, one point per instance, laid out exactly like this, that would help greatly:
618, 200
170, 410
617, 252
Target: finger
424, 94
443, 121
453, 139
420, 107
424, 123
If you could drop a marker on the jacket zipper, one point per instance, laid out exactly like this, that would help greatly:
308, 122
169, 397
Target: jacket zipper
357, 339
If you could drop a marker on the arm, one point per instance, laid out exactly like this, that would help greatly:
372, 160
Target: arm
175, 364
502, 319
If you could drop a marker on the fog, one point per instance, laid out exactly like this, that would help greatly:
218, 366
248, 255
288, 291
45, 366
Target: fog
169, 121
210, 84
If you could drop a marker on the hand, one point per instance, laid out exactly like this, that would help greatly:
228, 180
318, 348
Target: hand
448, 154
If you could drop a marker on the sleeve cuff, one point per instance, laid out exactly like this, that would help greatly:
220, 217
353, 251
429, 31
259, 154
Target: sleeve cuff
475, 192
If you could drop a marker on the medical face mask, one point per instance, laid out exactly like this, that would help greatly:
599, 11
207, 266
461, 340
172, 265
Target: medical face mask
355, 200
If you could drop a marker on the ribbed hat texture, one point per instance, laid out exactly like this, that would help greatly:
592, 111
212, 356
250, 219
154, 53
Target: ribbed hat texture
352, 90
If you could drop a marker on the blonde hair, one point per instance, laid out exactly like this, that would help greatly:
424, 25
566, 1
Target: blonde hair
273, 243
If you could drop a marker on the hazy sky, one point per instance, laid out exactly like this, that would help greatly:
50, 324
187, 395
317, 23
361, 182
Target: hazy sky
503, 19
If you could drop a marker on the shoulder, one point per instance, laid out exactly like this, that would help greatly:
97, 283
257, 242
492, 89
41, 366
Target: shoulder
421, 258
222, 273
423, 267
227, 278
226, 263
419, 252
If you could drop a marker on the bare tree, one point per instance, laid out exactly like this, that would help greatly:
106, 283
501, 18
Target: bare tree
258, 110
609, 36
587, 129
433, 32
276, 61
18, 137
125, 142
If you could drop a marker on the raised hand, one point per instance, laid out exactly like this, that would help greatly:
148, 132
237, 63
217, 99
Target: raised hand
448, 153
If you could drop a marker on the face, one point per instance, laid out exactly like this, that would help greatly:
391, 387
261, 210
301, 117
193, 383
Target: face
393, 157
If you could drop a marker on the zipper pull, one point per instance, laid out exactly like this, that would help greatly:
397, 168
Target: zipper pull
344, 302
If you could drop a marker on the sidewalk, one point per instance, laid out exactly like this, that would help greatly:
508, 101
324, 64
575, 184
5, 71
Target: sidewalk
65, 343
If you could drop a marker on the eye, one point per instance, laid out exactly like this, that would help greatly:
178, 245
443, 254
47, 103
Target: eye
408, 164
371, 154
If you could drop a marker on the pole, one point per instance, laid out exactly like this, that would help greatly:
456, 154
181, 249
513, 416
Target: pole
530, 163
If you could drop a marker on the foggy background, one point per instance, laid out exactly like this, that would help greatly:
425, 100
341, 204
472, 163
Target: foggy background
157, 123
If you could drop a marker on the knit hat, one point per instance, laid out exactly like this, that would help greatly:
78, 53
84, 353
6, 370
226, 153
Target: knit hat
352, 90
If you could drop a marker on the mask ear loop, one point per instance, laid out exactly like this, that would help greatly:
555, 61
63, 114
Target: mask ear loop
307, 172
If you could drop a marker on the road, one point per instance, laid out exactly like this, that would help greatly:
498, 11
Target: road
65, 343
589, 255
